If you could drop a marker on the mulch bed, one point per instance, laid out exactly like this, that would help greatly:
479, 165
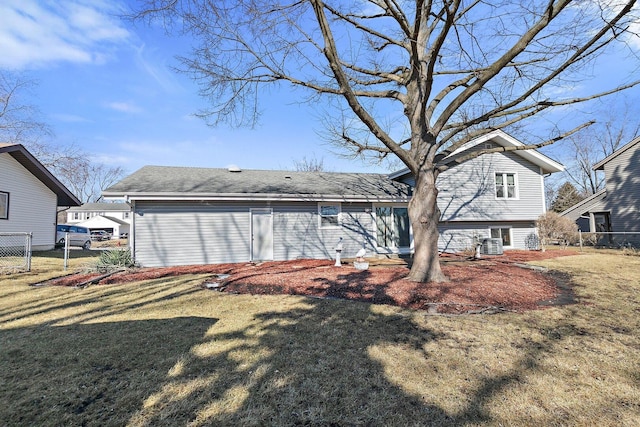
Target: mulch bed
491, 284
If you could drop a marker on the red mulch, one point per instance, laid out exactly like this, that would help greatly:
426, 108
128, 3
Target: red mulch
490, 284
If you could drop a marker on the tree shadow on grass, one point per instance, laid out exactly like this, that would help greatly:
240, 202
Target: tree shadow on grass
320, 365
317, 362
85, 374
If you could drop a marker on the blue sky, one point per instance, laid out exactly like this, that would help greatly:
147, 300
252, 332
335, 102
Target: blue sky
107, 86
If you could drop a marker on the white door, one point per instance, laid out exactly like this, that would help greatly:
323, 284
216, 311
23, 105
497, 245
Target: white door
261, 235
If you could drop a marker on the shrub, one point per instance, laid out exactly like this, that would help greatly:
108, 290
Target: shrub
555, 228
115, 258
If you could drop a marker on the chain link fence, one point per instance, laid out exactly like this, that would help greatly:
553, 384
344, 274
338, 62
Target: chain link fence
611, 240
15, 252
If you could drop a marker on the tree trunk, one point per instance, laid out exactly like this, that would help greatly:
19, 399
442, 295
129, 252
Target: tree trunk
424, 215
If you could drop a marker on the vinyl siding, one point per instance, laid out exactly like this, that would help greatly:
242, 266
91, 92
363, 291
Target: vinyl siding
203, 233
461, 236
297, 231
32, 205
622, 175
467, 191
168, 234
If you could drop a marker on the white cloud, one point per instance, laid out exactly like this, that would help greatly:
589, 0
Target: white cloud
124, 107
36, 33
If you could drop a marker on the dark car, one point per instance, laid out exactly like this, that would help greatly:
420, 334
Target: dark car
100, 235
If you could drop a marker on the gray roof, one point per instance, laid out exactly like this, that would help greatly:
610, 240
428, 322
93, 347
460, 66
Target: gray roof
179, 182
584, 206
102, 207
37, 169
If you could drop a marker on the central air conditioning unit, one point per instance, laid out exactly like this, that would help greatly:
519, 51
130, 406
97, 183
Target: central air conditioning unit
492, 246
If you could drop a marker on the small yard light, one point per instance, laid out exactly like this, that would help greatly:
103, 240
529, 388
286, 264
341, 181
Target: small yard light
338, 252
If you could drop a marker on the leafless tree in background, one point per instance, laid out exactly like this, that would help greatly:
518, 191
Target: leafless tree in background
310, 165
597, 143
415, 79
20, 124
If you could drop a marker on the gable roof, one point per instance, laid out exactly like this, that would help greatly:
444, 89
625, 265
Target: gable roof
103, 219
184, 183
101, 207
584, 206
37, 169
624, 148
547, 164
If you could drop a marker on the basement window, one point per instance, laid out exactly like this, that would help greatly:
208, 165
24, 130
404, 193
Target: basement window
502, 233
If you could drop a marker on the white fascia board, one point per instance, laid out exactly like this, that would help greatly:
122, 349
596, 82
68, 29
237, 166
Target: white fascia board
547, 164
260, 197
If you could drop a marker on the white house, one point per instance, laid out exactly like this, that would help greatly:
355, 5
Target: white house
114, 218
30, 196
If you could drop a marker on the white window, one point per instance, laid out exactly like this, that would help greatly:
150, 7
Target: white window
506, 186
329, 214
502, 233
76, 215
4, 205
125, 215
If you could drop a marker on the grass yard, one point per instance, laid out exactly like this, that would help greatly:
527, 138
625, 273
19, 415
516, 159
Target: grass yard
167, 352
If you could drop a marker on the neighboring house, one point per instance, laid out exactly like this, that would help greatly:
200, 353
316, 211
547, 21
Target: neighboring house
121, 211
616, 208
115, 227
198, 215
30, 196
114, 218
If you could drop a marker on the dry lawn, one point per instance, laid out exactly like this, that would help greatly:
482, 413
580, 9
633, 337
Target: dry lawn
167, 352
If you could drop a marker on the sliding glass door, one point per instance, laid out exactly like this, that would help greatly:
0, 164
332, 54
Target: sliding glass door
392, 227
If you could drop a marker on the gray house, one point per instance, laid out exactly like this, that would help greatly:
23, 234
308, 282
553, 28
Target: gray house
498, 195
616, 208
199, 215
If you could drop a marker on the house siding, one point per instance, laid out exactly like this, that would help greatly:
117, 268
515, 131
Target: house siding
622, 175
297, 231
32, 205
170, 233
467, 191
462, 236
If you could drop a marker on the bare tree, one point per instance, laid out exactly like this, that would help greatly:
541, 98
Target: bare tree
310, 165
19, 120
596, 143
416, 79
19, 123
87, 179
553, 227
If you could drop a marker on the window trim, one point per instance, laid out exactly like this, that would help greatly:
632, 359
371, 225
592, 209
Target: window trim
500, 228
338, 216
391, 249
505, 186
5, 214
